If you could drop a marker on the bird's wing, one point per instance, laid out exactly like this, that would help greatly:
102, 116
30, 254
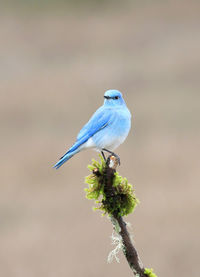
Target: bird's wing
98, 121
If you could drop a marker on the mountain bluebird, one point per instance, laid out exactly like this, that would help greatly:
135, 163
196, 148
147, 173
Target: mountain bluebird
106, 130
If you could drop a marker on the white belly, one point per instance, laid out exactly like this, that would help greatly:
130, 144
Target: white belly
112, 143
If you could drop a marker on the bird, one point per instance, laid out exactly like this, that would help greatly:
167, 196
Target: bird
105, 131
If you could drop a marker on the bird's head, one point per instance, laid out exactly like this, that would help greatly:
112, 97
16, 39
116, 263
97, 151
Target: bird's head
113, 97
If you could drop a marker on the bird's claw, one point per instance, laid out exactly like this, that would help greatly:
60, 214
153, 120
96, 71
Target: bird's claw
117, 157
112, 154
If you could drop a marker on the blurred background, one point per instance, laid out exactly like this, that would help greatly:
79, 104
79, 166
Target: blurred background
56, 60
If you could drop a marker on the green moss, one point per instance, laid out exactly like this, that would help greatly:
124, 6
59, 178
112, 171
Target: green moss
149, 272
123, 200
95, 188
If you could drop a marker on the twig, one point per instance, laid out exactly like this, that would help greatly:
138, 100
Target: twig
128, 248
117, 199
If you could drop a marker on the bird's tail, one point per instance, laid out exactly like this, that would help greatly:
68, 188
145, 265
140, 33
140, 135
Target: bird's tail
77, 147
65, 158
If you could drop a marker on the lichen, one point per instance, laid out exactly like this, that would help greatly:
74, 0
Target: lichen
117, 241
122, 202
149, 272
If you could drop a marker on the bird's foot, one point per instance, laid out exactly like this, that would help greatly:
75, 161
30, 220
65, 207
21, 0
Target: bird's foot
112, 154
117, 157
103, 156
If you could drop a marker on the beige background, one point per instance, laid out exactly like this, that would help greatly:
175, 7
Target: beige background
56, 61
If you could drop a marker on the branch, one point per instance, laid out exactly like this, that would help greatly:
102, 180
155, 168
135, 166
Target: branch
118, 200
128, 248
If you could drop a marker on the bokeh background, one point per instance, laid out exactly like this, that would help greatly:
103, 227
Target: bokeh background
56, 60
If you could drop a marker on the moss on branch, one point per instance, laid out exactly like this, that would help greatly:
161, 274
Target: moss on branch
149, 272
120, 200
116, 197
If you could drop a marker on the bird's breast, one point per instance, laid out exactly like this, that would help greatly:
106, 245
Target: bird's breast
114, 133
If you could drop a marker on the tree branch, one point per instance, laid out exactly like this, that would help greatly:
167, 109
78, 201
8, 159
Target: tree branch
116, 198
129, 250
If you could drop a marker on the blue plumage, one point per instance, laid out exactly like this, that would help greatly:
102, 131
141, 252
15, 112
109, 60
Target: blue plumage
106, 130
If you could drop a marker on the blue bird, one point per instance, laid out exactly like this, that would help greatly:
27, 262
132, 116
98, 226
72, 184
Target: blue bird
106, 130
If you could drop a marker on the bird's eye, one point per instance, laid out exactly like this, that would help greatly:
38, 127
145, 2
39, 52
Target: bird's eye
116, 97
